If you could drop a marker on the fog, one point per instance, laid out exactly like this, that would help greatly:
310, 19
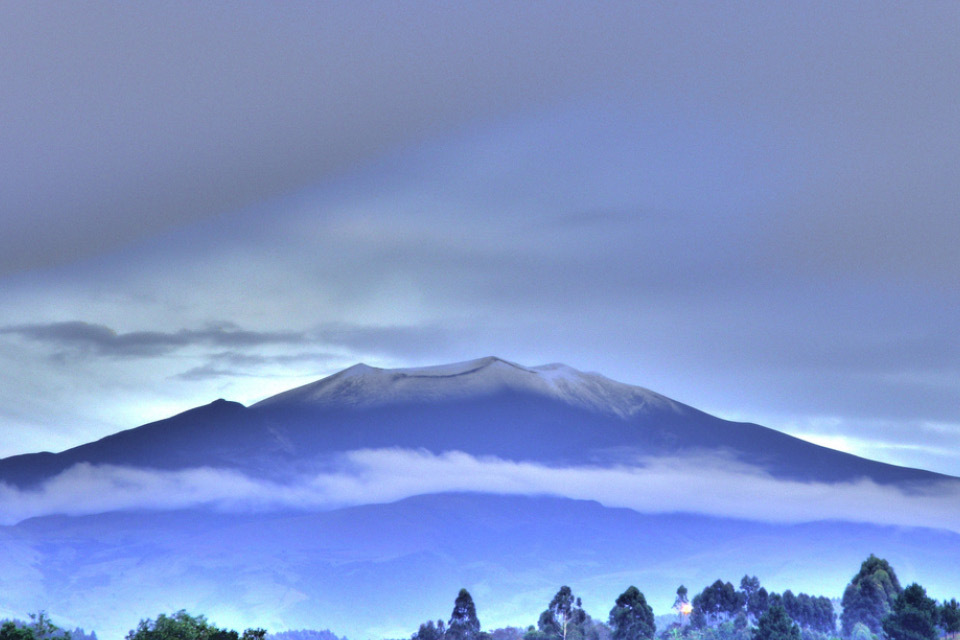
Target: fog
707, 484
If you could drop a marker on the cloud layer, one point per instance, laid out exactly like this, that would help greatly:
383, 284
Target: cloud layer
713, 486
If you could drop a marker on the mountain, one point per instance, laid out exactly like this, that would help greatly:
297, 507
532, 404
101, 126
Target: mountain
375, 571
364, 501
551, 414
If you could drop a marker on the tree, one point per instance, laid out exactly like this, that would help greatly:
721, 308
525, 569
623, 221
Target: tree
869, 596
463, 624
950, 616
775, 624
564, 618
44, 629
913, 617
757, 603
718, 602
814, 613
861, 632
632, 618
10, 630
749, 586
183, 626
429, 631
755, 598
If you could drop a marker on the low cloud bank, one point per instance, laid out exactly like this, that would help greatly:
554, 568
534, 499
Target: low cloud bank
710, 485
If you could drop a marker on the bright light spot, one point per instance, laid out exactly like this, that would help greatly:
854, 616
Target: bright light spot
837, 442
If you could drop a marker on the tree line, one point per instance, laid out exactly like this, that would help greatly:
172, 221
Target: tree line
874, 607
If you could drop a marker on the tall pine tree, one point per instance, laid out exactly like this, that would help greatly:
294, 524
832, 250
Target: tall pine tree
632, 618
869, 596
463, 624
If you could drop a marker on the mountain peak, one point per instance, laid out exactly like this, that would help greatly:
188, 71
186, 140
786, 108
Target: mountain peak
364, 386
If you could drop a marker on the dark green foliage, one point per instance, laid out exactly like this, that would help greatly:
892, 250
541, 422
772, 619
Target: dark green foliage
869, 596
12, 631
949, 616
463, 624
40, 627
914, 616
749, 585
632, 618
718, 602
698, 620
810, 612
564, 618
594, 630
755, 597
673, 631
183, 626
430, 631
547, 625
757, 603
775, 624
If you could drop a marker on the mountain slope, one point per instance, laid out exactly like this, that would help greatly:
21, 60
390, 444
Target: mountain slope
551, 414
383, 565
377, 571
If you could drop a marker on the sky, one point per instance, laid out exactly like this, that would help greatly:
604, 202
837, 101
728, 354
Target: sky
750, 208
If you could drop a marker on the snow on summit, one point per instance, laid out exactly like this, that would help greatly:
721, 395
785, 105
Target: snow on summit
365, 386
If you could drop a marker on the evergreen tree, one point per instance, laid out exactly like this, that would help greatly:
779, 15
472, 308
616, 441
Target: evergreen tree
718, 602
869, 596
914, 616
564, 618
749, 586
949, 616
757, 603
547, 626
775, 624
429, 631
183, 626
632, 618
463, 624
813, 613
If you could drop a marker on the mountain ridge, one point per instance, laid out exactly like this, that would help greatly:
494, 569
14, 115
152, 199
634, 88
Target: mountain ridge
297, 564
363, 385
552, 414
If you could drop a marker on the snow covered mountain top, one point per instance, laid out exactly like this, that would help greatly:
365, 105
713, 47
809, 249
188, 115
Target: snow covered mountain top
364, 386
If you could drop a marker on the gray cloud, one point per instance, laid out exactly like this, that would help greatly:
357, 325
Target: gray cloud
231, 364
395, 341
708, 484
116, 131
85, 336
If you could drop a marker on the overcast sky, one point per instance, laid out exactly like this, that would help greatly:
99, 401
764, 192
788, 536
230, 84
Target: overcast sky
751, 208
